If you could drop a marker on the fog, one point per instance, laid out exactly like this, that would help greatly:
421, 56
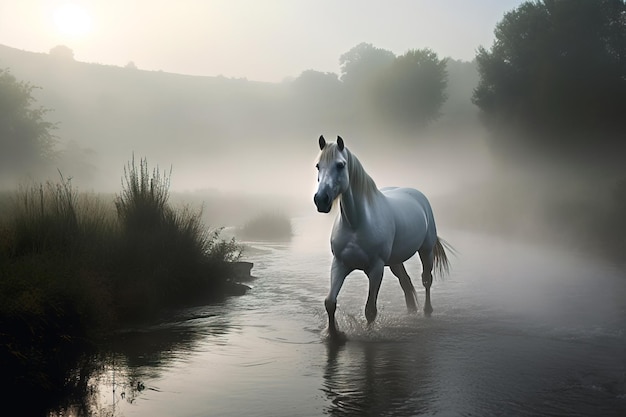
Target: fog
512, 125
237, 146
245, 38
226, 137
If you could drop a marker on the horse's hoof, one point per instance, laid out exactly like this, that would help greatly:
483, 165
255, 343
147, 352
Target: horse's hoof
370, 315
428, 311
337, 337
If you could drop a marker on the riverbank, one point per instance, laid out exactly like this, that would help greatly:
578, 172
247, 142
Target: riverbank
555, 331
74, 267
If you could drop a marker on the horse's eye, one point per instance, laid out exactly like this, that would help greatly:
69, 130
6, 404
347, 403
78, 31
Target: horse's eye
317, 166
341, 165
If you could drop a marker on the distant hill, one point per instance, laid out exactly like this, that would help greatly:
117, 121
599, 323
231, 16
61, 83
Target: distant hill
108, 112
202, 126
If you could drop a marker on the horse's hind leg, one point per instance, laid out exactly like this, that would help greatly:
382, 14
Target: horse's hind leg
427, 257
407, 286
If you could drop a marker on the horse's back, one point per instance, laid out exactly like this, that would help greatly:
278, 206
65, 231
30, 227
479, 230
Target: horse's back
415, 226
406, 193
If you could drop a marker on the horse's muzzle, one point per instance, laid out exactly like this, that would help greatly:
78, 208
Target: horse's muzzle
322, 202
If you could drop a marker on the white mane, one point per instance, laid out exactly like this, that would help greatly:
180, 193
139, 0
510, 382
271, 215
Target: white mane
360, 181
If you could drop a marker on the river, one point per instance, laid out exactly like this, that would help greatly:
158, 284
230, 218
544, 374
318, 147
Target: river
518, 329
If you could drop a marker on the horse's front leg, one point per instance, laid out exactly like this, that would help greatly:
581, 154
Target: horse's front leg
375, 275
338, 274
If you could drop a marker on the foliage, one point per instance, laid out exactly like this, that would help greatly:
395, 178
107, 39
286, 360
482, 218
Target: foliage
62, 52
26, 138
412, 89
556, 67
406, 91
166, 253
362, 64
53, 296
142, 204
319, 96
71, 270
361, 67
310, 81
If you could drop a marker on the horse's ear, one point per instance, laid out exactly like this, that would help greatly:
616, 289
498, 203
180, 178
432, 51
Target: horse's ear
340, 143
322, 142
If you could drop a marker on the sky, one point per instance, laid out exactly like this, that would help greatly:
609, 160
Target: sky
261, 40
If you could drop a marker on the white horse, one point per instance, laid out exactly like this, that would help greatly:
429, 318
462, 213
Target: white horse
375, 228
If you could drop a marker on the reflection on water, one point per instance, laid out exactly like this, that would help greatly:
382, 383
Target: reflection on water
517, 330
379, 378
129, 363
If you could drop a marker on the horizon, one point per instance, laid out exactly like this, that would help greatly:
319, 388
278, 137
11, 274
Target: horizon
245, 39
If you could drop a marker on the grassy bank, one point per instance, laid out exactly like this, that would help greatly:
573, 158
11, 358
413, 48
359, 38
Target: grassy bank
74, 267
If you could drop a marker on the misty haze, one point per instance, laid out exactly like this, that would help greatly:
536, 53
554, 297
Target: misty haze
161, 252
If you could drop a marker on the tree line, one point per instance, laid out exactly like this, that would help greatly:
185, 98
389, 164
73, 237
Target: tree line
556, 73
376, 85
554, 79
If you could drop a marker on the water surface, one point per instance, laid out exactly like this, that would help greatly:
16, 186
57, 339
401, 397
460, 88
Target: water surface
518, 329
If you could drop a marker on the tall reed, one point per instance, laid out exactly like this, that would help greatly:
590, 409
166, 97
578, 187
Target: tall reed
74, 267
167, 255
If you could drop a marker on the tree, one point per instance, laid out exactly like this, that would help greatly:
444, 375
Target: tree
26, 141
364, 62
315, 83
361, 67
318, 97
556, 68
412, 89
62, 52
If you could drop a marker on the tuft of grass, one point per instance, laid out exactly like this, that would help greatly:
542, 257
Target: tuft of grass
270, 226
74, 267
45, 218
143, 201
168, 256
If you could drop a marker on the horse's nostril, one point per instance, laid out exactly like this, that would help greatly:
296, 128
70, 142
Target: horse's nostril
321, 199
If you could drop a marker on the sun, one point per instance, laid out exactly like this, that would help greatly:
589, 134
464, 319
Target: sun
72, 20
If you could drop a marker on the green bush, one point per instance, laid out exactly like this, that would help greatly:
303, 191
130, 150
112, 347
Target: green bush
74, 267
142, 205
168, 256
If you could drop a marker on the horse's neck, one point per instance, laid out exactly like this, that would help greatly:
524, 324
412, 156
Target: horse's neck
360, 198
354, 208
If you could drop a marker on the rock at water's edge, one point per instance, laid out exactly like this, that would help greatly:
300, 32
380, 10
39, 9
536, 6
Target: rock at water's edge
241, 271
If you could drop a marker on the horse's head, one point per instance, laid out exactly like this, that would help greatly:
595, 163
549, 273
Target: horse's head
332, 176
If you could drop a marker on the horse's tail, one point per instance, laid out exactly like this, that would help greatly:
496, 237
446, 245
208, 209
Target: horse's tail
440, 257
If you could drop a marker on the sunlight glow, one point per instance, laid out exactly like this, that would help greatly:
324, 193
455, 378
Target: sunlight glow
72, 20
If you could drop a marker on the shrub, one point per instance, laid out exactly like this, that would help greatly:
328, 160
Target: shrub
69, 253
168, 256
71, 269
143, 202
267, 226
